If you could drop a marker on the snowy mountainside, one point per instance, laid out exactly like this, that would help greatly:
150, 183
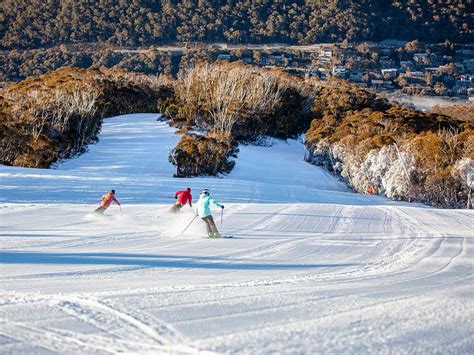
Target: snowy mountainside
312, 268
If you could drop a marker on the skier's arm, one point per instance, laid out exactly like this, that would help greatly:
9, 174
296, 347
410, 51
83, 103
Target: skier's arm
215, 204
177, 194
190, 200
116, 201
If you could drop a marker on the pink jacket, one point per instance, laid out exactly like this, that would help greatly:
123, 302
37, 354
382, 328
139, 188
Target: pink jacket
107, 200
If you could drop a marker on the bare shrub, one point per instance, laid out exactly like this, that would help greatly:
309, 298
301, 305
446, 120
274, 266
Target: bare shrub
219, 97
231, 101
52, 110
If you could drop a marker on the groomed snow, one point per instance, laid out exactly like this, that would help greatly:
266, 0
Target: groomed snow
313, 268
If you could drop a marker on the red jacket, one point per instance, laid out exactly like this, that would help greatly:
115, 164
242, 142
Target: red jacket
107, 200
184, 196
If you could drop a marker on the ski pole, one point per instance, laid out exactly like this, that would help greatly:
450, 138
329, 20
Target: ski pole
121, 213
222, 215
185, 229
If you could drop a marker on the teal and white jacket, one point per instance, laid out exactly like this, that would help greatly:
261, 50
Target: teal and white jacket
202, 208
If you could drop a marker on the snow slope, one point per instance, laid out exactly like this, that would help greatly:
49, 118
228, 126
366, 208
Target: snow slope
313, 267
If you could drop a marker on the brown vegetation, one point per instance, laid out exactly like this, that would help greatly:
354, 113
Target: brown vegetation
463, 112
395, 151
235, 101
203, 155
35, 23
55, 115
401, 153
17, 65
242, 101
336, 97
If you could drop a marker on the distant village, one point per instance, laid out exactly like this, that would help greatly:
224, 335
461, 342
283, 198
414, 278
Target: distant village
390, 65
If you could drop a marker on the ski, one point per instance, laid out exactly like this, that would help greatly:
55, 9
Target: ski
220, 237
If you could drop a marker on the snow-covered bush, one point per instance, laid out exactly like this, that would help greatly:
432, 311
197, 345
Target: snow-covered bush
464, 169
320, 155
463, 172
397, 152
382, 169
390, 172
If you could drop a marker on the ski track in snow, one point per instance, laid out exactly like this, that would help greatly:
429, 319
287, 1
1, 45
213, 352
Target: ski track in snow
313, 268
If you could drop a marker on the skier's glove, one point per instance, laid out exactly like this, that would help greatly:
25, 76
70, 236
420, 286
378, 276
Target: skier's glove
176, 197
222, 206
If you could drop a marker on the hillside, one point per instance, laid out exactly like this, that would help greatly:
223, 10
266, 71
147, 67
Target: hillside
372, 144
313, 268
31, 24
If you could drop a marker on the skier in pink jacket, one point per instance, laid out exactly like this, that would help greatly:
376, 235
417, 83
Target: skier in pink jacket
107, 199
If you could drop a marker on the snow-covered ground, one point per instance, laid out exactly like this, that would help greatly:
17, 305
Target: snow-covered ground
313, 268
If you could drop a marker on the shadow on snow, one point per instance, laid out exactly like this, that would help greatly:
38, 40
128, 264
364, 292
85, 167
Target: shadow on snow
150, 260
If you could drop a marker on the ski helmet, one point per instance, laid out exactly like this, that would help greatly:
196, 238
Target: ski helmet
206, 191
113, 192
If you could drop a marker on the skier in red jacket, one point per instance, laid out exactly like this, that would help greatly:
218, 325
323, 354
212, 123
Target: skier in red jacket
183, 197
106, 201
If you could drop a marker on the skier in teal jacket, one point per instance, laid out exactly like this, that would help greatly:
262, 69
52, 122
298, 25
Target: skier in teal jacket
202, 208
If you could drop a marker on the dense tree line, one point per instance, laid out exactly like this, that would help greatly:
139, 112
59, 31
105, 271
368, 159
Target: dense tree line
19, 64
36, 23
